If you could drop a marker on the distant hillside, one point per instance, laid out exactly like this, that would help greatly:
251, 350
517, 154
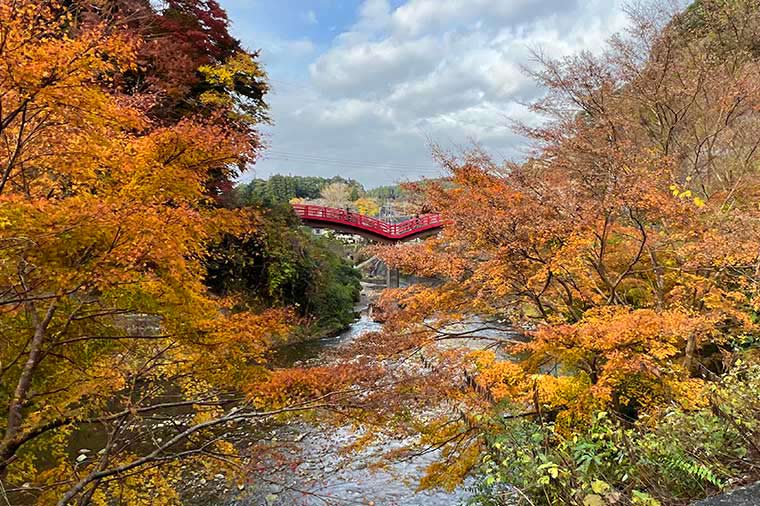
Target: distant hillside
335, 191
279, 189
389, 192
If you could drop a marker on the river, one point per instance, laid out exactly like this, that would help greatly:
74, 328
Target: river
307, 466
319, 473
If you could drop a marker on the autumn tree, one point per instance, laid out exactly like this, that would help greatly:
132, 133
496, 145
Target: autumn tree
624, 250
282, 264
367, 206
105, 219
336, 194
187, 64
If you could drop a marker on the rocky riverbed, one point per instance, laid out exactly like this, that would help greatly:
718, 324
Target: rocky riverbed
320, 473
306, 465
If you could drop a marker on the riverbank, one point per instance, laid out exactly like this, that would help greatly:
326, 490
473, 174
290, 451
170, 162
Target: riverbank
303, 463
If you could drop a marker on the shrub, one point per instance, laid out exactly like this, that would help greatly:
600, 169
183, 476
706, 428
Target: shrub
675, 458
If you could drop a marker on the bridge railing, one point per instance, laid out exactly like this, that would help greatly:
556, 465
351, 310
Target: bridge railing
352, 218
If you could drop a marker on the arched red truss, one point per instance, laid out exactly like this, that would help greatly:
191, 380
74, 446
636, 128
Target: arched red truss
350, 221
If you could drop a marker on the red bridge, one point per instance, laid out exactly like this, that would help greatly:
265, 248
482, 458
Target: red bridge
372, 228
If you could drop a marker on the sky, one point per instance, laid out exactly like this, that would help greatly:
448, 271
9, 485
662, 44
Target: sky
361, 88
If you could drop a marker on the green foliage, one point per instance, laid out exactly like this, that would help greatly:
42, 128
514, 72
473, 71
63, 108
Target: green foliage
280, 189
551, 468
679, 457
284, 265
389, 192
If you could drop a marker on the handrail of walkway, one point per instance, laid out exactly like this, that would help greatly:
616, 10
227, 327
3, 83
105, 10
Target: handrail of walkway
351, 219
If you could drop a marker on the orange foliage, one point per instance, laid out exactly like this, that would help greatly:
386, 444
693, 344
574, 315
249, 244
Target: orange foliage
298, 385
625, 250
104, 223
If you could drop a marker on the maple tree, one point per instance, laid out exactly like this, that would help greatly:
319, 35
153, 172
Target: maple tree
187, 63
625, 249
105, 222
625, 252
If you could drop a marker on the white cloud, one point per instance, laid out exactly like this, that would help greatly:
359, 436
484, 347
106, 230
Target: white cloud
441, 70
417, 16
365, 66
350, 112
373, 15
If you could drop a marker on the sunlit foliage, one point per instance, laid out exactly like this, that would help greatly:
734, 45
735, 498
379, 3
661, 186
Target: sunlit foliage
105, 220
625, 250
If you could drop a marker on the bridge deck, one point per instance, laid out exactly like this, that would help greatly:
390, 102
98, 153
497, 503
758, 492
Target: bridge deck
352, 220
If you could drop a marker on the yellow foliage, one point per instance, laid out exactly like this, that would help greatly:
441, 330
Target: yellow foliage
367, 206
105, 220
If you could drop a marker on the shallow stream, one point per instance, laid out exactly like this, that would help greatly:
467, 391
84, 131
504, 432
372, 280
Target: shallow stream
320, 474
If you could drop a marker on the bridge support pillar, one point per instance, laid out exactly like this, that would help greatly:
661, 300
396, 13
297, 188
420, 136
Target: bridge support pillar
392, 278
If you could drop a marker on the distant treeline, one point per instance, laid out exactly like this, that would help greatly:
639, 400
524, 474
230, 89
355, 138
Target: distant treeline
280, 189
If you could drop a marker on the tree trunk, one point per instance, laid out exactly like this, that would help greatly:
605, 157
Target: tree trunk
689, 360
16, 405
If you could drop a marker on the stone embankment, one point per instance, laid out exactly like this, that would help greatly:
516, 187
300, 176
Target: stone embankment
743, 496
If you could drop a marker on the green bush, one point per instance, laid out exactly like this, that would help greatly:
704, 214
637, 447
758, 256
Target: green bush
677, 458
284, 265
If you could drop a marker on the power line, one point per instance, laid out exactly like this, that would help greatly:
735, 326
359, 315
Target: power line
277, 85
332, 160
306, 158
293, 156
401, 165
358, 168
355, 166
294, 84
